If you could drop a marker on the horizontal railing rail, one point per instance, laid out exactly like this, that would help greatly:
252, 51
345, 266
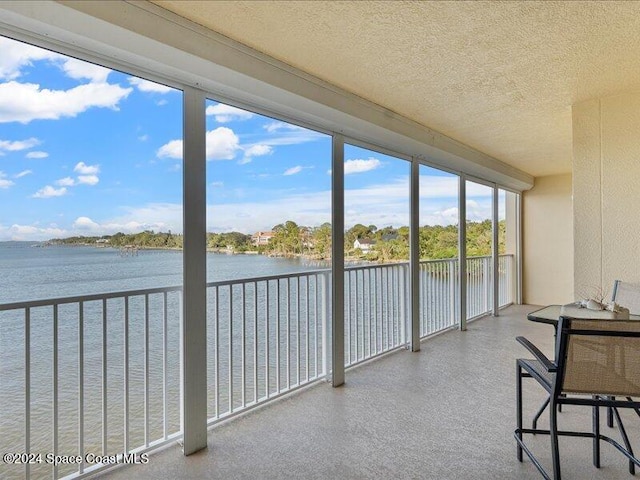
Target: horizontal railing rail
49, 302
100, 372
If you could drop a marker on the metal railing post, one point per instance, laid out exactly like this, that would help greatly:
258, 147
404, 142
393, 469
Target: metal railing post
326, 306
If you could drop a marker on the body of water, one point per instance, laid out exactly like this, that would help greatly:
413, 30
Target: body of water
29, 271
263, 337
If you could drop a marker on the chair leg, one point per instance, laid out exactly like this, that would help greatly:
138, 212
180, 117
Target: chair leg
625, 439
542, 408
596, 436
610, 415
553, 431
519, 407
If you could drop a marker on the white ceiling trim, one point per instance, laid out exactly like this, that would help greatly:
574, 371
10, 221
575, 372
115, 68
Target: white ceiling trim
149, 41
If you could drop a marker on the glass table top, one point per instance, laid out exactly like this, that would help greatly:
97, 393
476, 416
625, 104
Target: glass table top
552, 313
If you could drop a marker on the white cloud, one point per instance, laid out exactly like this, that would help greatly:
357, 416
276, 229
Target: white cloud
37, 154
293, 170
277, 126
217, 184
172, 149
360, 166
143, 138
226, 113
84, 169
18, 145
257, 150
161, 103
222, 144
49, 191
29, 232
149, 87
66, 182
16, 55
4, 182
85, 223
287, 134
23, 173
78, 70
478, 210
88, 179
24, 102
443, 215
158, 217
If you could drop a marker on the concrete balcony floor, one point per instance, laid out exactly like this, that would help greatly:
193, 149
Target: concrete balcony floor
447, 412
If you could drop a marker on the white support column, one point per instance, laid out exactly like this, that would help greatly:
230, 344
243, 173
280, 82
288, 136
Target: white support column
193, 331
414, 262
512, 235
495, 251
462, 250
519, 251
337, 261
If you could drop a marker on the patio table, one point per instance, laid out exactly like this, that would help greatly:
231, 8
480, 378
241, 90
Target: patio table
551, 314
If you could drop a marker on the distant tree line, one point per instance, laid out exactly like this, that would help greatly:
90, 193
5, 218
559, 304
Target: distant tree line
144, 239
290, 239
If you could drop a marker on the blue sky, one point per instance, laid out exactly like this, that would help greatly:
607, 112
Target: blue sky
85, 150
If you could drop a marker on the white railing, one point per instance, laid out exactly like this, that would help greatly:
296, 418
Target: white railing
100, 373
506, 283
479, 287
375, 309
438, 295
439, 290
266, 336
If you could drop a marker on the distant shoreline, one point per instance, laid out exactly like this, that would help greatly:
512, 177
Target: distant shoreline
178, 249
221, 251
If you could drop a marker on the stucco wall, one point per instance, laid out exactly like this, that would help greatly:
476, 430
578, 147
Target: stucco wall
606, 189
548, 241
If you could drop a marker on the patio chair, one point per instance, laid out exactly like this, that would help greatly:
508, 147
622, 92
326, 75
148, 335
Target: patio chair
628, 295
584, 376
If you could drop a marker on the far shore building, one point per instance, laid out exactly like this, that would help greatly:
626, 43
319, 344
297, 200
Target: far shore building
261, 238
364, 244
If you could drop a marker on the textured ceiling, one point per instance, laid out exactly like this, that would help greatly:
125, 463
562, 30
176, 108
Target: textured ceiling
498, 76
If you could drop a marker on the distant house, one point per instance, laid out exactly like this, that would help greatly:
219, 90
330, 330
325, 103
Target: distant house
364, 244
261, 238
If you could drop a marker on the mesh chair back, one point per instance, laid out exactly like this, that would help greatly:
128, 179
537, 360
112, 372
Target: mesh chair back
602, 364
627, 295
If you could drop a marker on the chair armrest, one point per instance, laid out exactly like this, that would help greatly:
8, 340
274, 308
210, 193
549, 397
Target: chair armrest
548, 364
